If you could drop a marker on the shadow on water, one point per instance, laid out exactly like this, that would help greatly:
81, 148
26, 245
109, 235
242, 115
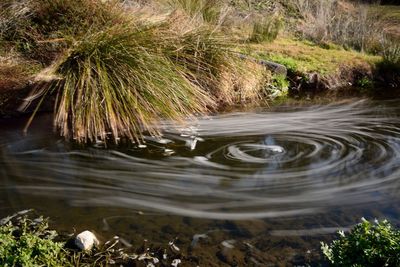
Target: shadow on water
264, 186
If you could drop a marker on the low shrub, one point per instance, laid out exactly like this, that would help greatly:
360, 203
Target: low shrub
367, 244
27, 242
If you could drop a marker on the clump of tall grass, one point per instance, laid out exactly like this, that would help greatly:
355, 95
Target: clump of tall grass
118, 81
391, 51
265, 29
210, 11
210, 63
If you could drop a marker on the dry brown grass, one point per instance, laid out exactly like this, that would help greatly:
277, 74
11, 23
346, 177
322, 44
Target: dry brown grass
242, 86
346, 24
15, 72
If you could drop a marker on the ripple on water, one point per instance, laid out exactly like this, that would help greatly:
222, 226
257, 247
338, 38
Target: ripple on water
236, 166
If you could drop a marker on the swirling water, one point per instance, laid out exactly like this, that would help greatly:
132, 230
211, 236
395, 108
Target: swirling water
258, 177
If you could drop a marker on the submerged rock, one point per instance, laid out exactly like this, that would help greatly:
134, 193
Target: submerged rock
86, 240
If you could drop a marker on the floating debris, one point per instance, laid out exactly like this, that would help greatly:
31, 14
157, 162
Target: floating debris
191, 143
176, 262
162, 141
228, 243
173, 247
196, 239
125, 242
168, 152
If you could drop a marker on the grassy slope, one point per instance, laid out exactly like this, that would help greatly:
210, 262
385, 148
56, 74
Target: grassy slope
307, 57
391, 15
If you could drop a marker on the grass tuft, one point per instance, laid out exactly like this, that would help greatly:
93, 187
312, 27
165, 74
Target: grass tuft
209, 11
265, 30
118, 81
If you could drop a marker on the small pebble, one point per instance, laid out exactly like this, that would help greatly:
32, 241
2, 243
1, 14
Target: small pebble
176, 262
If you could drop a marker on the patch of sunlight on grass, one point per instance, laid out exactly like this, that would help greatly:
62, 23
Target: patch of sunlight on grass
305, 56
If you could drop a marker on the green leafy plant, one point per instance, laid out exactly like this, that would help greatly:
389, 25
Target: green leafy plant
26, 242
278, 88
367, 244
365, 83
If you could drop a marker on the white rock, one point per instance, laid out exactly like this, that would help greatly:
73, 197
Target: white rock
86, 240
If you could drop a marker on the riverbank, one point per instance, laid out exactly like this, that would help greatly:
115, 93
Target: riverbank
27, 239
187, 59
312, 72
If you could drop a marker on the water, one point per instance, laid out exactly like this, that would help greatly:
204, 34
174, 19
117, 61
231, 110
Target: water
262, 187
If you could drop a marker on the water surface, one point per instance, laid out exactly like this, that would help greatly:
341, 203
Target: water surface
264, 186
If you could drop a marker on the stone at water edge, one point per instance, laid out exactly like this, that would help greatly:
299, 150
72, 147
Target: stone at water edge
86, 240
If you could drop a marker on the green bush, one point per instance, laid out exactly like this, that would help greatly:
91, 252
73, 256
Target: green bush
367, 244
30, 243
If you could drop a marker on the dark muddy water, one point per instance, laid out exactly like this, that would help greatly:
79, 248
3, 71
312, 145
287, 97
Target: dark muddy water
259, 189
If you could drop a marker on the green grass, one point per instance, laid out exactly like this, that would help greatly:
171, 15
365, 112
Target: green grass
120, 82
307, 57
